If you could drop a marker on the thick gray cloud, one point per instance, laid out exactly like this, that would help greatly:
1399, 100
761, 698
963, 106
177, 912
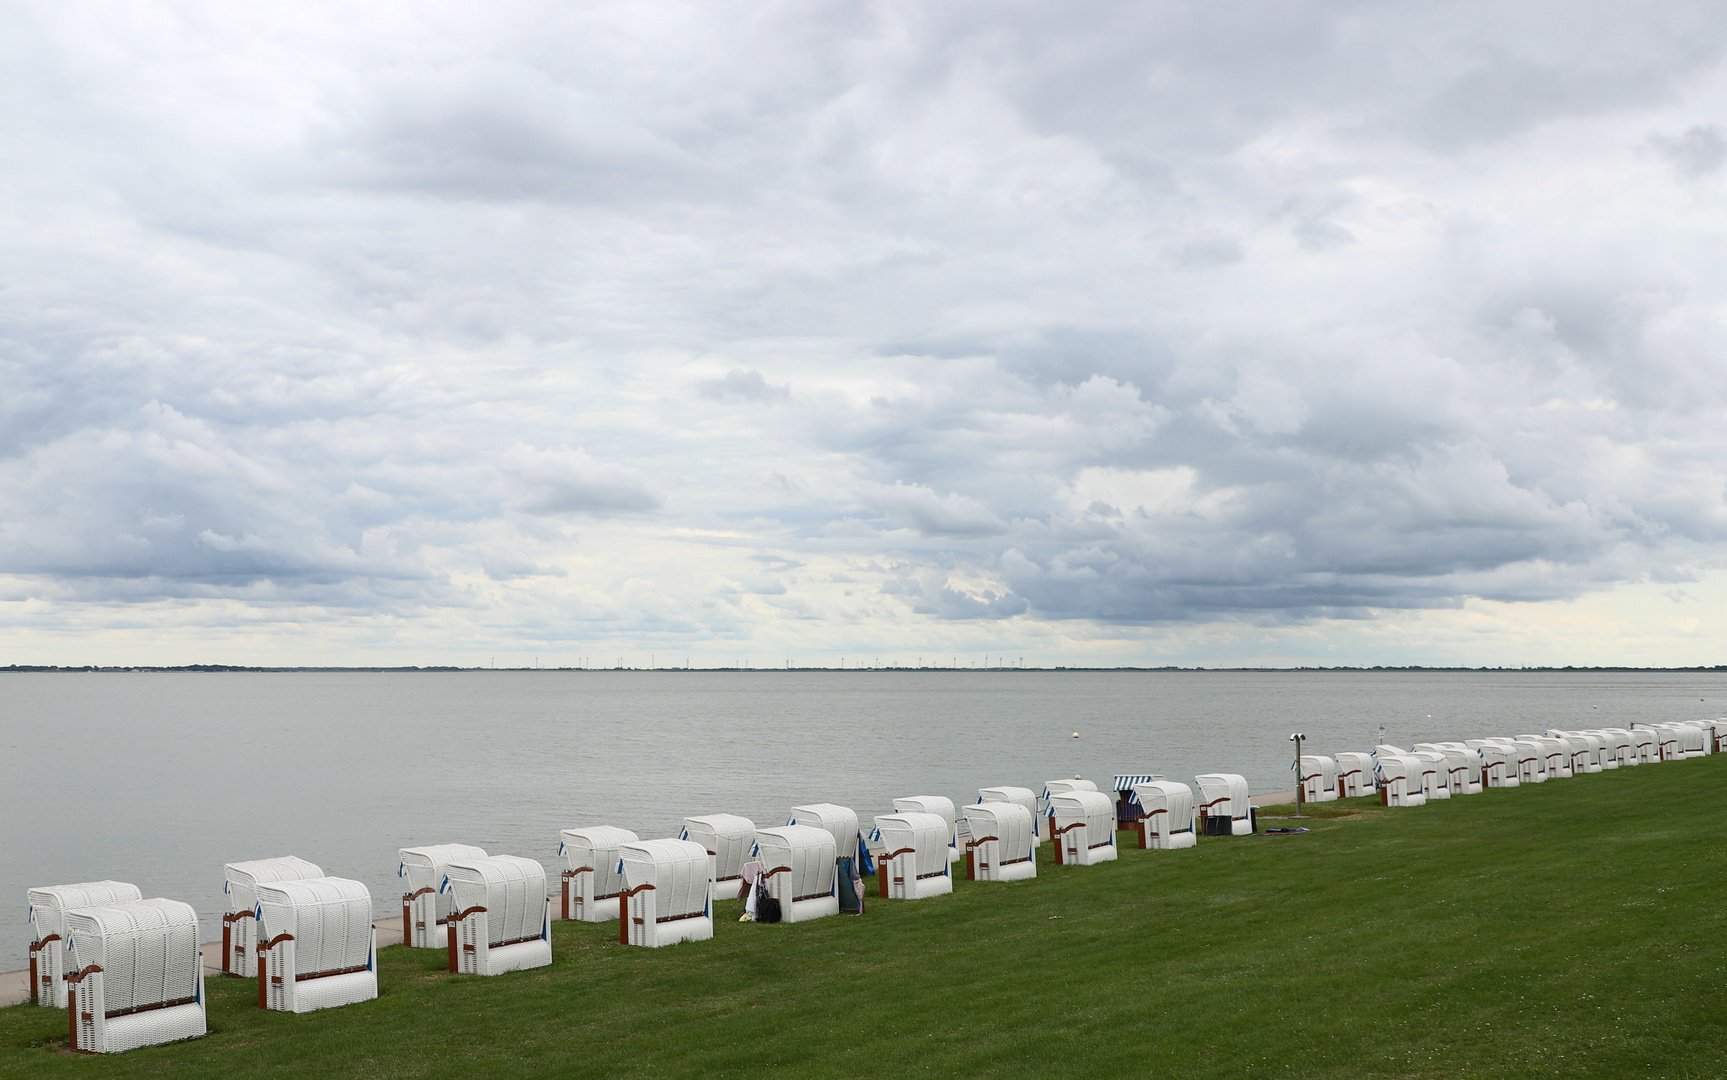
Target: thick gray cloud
686, 320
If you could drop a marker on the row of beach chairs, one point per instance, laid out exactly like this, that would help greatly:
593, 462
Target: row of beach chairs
129, 970
1440, 770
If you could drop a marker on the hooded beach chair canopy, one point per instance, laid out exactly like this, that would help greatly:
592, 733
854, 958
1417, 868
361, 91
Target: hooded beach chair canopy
1431, 773
137, 977
727, 839
1556, 754
1462, 766
1059, 787
590, 882
668, 890
1318, 778
1692, 740
1586, 749
502, 917
1082, 827
914, 855
319, 950
48, 907
941, 806
1498, 766
1226, 795
1001, 844
239, 927
1022, 796
1621, 748
1399, 777
1166, 814
424, 908
1718, 729
1354, 774
798, 868
1126, 782
841, 823
1529, 758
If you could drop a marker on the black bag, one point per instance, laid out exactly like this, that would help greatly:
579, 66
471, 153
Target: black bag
767, 909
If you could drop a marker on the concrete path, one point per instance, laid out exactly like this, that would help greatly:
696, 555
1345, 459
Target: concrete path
15, 985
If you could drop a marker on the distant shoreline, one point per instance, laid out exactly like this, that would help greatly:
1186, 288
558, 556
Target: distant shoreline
231, 668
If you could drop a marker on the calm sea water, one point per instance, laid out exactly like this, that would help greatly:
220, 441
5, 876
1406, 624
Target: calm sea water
160, 778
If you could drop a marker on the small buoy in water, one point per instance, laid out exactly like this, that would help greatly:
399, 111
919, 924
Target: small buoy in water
1076, 734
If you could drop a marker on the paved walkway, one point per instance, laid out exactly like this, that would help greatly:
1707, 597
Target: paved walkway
15, 985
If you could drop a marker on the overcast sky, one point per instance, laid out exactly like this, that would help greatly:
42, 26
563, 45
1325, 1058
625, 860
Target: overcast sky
1146, 333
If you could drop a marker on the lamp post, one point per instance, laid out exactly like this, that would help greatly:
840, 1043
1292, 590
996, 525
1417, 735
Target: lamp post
1300, 788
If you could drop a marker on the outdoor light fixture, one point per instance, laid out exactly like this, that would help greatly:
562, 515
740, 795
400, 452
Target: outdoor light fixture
1298, 738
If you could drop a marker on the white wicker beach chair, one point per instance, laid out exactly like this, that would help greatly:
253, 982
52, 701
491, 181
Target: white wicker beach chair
1318, 778
941, 806
1354, 774
1621, 748
591, 883
1555, 755
1166, 815
1602, 744
502, 919
1531, 760
1498, 765
1719, 727
135, 976
1061, 787
798, 868
1082, 827
1000, 845
1224, 796
239, 924
668, 890
1023, 796
1512, 757
1714, 734
317, 947
841, 822
1434, 770
913, 863
1646, 743
1594, 751
48, 907
1462, 766
1399, 777
727, 839
1586, 749
1695, 738
425, 910
1668, 745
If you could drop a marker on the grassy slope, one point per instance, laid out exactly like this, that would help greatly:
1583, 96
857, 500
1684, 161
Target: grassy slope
1571, 928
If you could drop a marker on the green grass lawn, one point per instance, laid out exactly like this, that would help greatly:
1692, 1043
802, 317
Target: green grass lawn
1572, 928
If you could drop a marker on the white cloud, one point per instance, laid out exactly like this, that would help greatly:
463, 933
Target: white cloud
1099, 320
917, 507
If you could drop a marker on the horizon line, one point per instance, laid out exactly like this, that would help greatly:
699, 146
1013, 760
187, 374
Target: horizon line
440, 668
